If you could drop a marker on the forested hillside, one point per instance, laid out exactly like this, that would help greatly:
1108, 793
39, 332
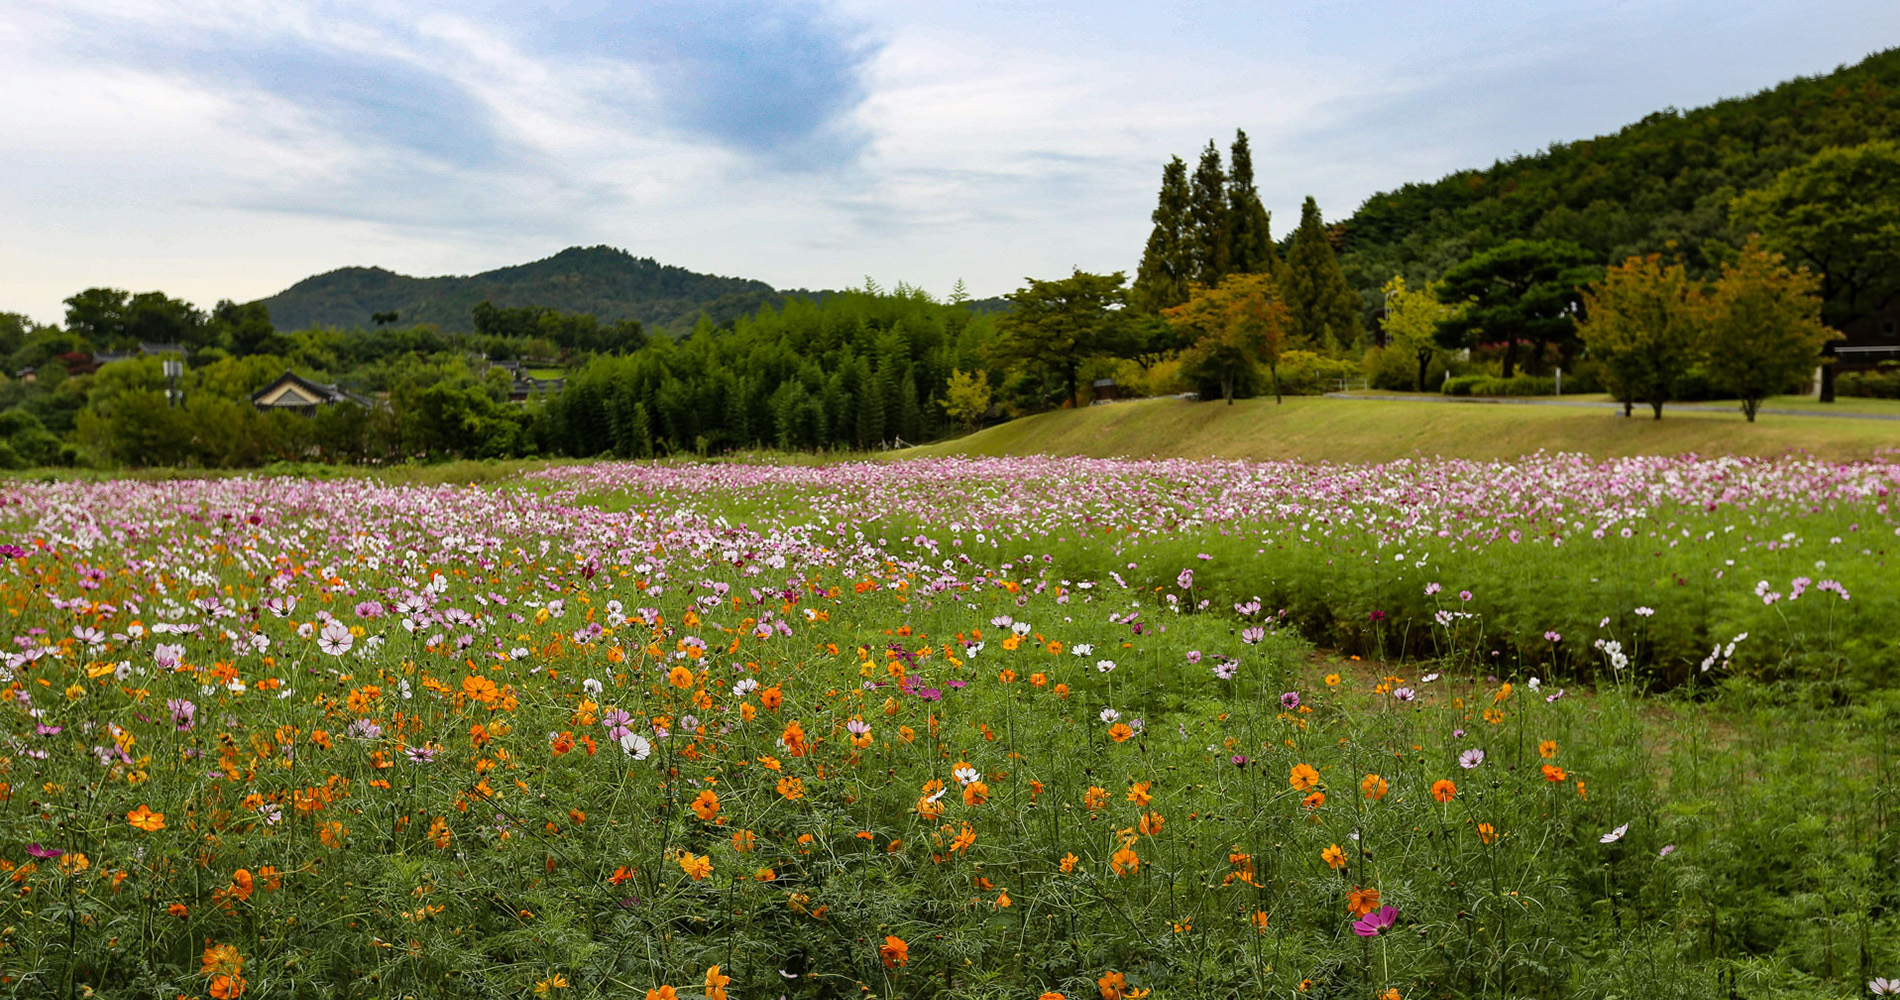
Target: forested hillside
1667, 178
612, 285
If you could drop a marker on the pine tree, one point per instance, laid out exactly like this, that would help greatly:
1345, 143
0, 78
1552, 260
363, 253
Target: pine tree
1325, 309
1166, 264
1247, 218
1210, 236
958, 294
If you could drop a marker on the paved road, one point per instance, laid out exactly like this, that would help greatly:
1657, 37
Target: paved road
1591, 404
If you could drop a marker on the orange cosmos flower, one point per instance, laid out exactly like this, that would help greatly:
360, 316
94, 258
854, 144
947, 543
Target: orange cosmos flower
479, 688
225, 987
1553, 773
1303, 777
1120, 732
1443, 790
894, 951
772, 697
1062, 690
1038, 680
221, 958
716, 984
792, 788
1151, 824
1547, 749
663, 993
1314, 801
975, 793
620, 876
1487, 834
680, 677
145, 819
1069, 862
1334, 857
794, 738
1374, 787
1124, 861
696, 866
1259, 921
1362, 901
964, 839
706, 805
1095, 798
1052, 995
742, 841
1138, 793
1006, 676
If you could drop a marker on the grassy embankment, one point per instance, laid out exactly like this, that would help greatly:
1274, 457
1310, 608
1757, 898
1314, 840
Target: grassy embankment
1336, 430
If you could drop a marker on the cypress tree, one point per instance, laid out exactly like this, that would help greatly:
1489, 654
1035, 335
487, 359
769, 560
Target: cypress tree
1166, 264
1246, 216
1324, 309
1210, 239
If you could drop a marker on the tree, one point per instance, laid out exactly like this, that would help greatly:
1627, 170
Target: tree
1233, 327
1412, 316
1167, 263
98, 315
1642, 324
1764, 326
384, 318
967, 397
1247, 218
246, 329
1324, 308
1058, 324
1836, 213
1210, 236
1523, 291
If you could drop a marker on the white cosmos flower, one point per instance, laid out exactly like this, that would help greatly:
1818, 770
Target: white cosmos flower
965, 774
635, 745
1614, 835
335, 639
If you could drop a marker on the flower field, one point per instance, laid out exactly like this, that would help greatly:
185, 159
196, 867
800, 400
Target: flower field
960, 728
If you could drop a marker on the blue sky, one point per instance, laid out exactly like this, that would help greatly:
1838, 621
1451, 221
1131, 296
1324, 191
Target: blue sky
227, 148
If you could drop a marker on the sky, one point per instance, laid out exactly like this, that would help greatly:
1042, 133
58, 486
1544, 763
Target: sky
220, 149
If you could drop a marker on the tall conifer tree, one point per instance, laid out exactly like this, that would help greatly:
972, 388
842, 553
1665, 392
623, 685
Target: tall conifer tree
1325, 309
1167, 263
1247, 218
1211, 239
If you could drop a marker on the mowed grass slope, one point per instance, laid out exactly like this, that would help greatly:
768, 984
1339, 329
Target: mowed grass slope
1318, 429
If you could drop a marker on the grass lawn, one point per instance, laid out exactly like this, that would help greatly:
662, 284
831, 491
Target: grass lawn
1336, 430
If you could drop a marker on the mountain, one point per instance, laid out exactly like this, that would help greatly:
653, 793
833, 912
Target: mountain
609, 283
1666, 179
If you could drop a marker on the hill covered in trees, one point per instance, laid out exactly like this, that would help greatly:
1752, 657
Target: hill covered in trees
610, 284
1659, 185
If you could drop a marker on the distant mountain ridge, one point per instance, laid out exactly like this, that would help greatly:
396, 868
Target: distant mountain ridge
610, 283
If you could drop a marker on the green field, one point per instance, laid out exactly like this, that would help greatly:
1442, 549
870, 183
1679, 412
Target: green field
1318, 429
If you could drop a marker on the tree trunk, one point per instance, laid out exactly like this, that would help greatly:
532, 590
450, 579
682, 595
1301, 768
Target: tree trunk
1424, 368
1075, 388
1827, 372
1274, 371
1227, 389
1657, 405
1749, 406
1510, 357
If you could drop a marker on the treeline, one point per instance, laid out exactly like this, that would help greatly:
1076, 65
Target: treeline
1661, 185
859, 370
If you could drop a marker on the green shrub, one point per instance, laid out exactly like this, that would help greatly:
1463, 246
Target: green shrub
1304, 373
1880, 383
